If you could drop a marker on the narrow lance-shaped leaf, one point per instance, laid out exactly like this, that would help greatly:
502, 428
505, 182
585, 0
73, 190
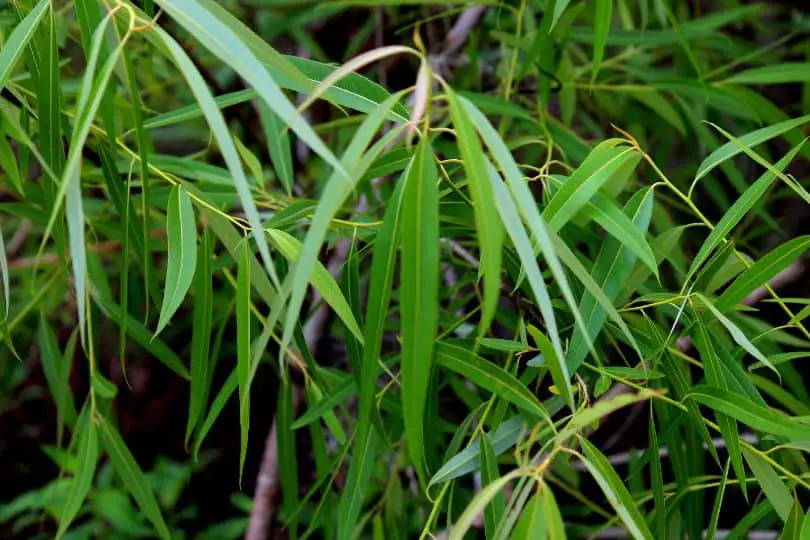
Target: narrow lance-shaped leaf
612, 268
523, 200
520, 238
92, 90
285, 414
16, 43
222, 135
715, 377
86, 460
718, 503
225, 43
182, 237
739, 336
201, 332
732, 148
337, 189
57, 373
487, 223
788, 72
610, 217
615, 491
759, 417
602, 17
386, 246
577, 190
740, 207
132, 476
243, 353
773, 486
495, 509
419, 293
489, 376
321, 280
762, 271
556, 365
657, 480
278, 146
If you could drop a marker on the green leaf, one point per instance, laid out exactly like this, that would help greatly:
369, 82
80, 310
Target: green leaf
182, 237
337, 189
578, 189
602, 18
102, 386
285, 414
762, 271
278, 146
139, 333
773, 487
532, 523
718, 503
202, 322
479, 502
131, 475
86, 459
57, 374
221, 134
17, 41
243, 353
559, 7
657, 480
489, 377
419, 293
611, 271
321, 280
227, 390
224, 42
511, 220
386, 246
732, 148
588, 416
506, 435
523, 200
716, 378
740, 207
805, 531
487, 224
739, 337
90, 95
758, 417
556, 365
495, 509
789, 72
615, 491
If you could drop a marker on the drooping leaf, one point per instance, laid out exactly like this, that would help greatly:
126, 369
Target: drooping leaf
243, 353
86, 460
756, 416
762, 271
602, 17
487, 222
732, 148
132, 476
182, 237
740, 207
419, 289
201, 333
495, 509
488, 376
615, 491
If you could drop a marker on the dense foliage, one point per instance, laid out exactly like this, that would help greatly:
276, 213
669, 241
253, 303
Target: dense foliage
525, 269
